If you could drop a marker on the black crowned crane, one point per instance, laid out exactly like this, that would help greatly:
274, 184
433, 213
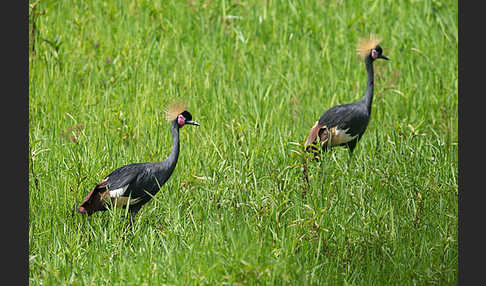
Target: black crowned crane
135, 184
344, 125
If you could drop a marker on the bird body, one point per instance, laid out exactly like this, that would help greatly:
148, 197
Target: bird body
134, 184
345, 124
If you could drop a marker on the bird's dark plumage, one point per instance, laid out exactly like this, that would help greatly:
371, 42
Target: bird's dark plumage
345, 124
135, 184
353, 116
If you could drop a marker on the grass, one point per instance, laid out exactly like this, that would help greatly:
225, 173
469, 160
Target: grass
257, 75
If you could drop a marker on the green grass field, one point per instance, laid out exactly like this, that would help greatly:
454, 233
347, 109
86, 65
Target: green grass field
256, 75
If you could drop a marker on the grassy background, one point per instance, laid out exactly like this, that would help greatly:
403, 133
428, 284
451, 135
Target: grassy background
257, 75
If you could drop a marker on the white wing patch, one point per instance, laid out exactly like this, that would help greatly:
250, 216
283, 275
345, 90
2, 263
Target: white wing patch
340, 136
119, 200
118, 192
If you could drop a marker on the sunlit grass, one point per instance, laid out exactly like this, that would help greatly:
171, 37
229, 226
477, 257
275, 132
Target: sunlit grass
257, 75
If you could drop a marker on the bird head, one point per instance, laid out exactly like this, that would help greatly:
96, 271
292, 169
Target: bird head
377, 53
177, 111
370, 48
186, 118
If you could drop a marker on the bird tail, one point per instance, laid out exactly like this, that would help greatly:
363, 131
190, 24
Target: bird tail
95, 200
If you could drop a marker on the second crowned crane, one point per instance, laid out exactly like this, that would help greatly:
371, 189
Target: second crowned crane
344, 125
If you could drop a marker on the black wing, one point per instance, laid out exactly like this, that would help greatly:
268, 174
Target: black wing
124, 175
140, 178
351, 116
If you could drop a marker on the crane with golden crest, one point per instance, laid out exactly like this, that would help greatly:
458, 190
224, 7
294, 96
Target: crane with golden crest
344, 125
134, 185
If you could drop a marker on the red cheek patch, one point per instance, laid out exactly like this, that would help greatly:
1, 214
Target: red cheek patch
374, 54
180, 121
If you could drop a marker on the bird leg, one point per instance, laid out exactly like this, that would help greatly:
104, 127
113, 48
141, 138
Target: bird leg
351, 145
131, 214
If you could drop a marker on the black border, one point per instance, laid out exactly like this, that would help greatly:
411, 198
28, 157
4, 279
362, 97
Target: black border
470, 118
15, 143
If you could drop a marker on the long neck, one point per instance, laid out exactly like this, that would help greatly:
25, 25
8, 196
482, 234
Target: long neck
174, 153
368, 96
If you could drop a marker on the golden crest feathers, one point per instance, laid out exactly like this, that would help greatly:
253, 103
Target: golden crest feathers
174, 109
366, 44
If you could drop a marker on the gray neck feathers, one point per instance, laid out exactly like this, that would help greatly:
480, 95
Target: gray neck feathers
174, 153
368, 96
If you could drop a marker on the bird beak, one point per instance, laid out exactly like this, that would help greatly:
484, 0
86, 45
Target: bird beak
383, 57
192, 122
